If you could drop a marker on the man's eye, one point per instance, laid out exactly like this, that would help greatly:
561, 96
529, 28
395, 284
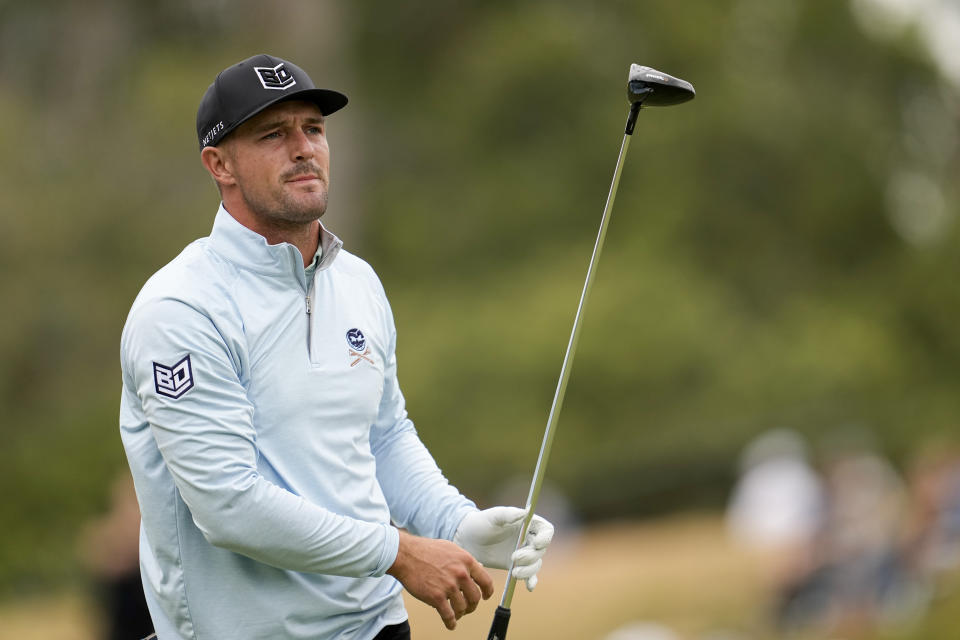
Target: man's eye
272, 135
315, 130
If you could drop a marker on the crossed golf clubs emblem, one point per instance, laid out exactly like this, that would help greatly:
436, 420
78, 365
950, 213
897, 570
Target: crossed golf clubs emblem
359, 356
358, 347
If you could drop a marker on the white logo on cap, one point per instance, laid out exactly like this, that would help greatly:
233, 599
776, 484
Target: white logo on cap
217, 128
275, 77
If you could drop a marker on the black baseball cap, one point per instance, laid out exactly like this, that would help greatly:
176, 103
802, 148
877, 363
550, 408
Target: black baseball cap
247, 88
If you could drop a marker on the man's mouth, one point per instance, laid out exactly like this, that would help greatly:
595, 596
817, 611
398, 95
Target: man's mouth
303, 178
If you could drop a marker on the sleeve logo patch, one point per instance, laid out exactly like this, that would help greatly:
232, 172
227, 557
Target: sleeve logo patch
173, 381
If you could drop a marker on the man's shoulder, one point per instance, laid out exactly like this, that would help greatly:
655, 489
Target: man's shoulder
195, 278
193, 270
353, 265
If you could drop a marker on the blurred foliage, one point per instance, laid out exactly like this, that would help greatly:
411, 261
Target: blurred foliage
770, 261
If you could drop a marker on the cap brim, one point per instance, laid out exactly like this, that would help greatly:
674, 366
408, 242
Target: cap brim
327, 100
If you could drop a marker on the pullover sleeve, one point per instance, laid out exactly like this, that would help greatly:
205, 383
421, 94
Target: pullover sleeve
207, 438
420, 497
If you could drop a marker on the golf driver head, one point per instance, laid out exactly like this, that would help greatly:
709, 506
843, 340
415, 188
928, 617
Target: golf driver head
654, 88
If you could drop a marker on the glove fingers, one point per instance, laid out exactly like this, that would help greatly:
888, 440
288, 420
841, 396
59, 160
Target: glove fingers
527, 560
531, 583
526, 556
539, 534
527, 571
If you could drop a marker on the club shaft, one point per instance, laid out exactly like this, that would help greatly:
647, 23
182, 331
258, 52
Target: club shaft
547, 443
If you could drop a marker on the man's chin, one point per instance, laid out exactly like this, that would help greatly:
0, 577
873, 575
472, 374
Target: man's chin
305, 209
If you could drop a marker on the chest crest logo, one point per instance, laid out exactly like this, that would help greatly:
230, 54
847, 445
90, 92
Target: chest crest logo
174, 381
358, 346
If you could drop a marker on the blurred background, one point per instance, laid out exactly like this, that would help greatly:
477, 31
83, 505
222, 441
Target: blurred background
760, 435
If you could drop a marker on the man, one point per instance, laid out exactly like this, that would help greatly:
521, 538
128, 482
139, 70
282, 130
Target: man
284, 492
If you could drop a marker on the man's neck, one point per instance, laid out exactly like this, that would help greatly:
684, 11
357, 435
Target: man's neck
304, 236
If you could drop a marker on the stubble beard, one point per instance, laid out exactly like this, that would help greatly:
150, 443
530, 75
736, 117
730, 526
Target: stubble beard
283, 209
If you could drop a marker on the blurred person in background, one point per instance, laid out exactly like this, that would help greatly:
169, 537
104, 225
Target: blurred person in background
284, 492
108, 548
777, 506
933, 533
860, 579
642, 630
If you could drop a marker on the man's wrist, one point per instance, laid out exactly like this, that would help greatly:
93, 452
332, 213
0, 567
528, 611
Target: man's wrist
401, 557
391, 550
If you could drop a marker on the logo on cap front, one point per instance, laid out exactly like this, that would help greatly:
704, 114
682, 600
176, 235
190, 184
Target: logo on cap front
275, 77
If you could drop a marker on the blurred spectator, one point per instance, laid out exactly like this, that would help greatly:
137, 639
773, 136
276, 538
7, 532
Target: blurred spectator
777, 506
933, 533
724, 635
110, 550
642, 631
860, 576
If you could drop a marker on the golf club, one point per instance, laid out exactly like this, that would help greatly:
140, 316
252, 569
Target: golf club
645, 87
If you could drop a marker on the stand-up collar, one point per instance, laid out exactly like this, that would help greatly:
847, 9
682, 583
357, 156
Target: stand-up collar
250, 250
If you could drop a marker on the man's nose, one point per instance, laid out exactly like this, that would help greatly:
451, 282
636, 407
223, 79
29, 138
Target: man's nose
301, 147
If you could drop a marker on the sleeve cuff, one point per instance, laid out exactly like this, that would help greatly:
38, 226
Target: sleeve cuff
391, 545
461, 513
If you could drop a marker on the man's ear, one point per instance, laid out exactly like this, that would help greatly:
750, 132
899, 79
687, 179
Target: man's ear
219, 163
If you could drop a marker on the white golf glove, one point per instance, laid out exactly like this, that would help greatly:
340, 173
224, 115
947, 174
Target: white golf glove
491, 537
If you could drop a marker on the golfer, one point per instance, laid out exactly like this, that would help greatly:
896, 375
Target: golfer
284, 492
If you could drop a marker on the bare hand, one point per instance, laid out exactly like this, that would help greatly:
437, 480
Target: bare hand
441, 574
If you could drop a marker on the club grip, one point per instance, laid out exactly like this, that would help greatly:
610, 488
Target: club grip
498, 630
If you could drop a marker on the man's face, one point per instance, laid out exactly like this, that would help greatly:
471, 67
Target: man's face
281, 163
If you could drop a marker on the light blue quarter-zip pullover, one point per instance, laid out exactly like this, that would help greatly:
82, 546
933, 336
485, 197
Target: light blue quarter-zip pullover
270, 444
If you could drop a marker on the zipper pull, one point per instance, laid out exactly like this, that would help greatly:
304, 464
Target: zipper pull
309, 308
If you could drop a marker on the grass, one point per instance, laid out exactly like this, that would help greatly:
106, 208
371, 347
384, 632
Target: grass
679, 571
67, 616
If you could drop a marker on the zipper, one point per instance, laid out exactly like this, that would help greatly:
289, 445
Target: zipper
309, 326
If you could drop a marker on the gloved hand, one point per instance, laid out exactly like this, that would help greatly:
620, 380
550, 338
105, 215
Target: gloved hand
491, 536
